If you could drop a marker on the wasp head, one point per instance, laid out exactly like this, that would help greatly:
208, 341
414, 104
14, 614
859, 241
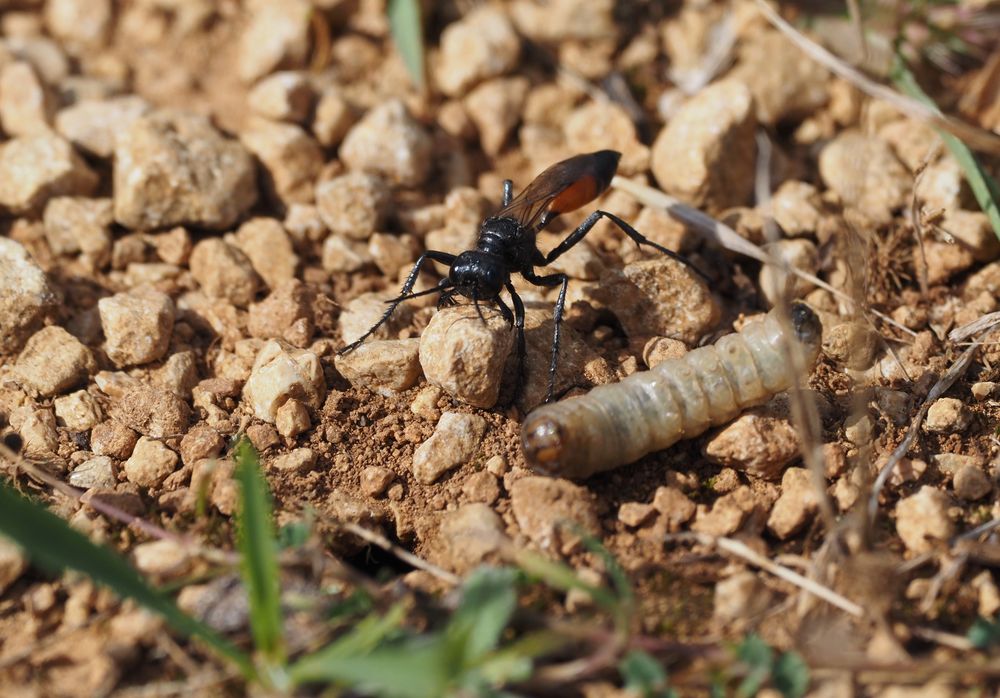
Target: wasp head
478, 275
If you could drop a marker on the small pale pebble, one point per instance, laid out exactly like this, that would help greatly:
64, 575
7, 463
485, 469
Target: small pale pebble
846, 493
391, 143
137, 326
971, 483
224, 271
354, 205
304, 224
497, 465
941, 185
201, 441
481, 486
470, 536
85, 23
660, 349
550, 510
94, 125
292, 419
37, 429
659, 296
425, 403
386, 366
636, 514
727, 513
894, 403
465, 356
175, 168
483, 44
566, 20
796, 505
94, 472
80, 225
165, 559
797, 253
34, 169
707, 152
286, 313
858, 429
795, 206
26, 103
362, 312
299, 460
454, 442
277, 36
53, 361
757, 443
950, 463
269, 249
674, 506
392, 254
343, 255
947, 415
603, 124
112, 438
922, 520
13, 563
863, 171
792, 85
152, 412
115, 384
726, 481
983, 390
906, 470
375, 480
495, 108
291, 159
333, 118
26, 297
741, 595
834, 459
150, 463
281, 372
972, 230
853, 343
989, 594
282, 96
78, 411
263, 436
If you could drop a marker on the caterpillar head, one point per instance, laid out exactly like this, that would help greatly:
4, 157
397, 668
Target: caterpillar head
806, 324
542, 442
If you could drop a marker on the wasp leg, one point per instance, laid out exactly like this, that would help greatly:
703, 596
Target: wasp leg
562, 281
517, 319
638, 237
404, 294
508, 192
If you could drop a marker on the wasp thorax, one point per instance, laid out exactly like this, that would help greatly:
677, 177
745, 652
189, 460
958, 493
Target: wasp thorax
478, 275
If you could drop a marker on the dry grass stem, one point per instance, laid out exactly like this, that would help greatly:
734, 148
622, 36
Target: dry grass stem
406, 556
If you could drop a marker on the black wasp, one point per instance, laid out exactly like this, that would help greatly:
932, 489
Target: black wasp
506, 244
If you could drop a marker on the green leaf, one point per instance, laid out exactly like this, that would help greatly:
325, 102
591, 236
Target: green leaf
983, 186
53, 544
790, 675
759, 659
644, 675
560, 576
258, 554
984, 633
361, 640
408, 35
489, 598
296, 533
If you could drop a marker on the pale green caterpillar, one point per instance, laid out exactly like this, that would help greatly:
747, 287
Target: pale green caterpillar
616, 424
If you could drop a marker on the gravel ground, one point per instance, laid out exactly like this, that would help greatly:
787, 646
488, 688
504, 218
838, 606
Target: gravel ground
204, 201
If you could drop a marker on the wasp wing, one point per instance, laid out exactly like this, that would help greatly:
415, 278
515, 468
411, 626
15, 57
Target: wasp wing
572, 182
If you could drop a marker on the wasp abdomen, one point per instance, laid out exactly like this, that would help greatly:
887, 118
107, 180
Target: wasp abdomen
648, 411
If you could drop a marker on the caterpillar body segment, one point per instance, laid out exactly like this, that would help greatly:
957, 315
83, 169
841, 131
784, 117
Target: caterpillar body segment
681, 398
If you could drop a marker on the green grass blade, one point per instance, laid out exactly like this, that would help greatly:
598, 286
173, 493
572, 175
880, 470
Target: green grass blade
362, 639
55, 545
489, 598
983, 186
408, 35
258, 554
